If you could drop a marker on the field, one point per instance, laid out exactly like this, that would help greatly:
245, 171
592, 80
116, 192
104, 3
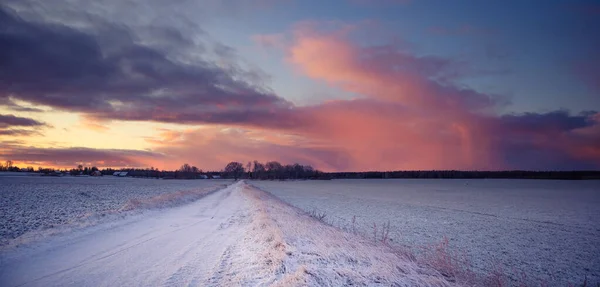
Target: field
236, 236
546, 230
31, 206
147, 232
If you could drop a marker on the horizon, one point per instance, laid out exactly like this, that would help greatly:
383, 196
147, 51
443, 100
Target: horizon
202, 170
342, 86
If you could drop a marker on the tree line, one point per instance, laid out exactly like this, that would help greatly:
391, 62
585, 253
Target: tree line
458, 174
270, 170
273, 170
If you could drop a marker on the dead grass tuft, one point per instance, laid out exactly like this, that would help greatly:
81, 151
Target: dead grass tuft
318, 215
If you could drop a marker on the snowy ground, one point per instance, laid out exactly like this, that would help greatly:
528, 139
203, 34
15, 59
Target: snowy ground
237, 236
31, 207
548, 230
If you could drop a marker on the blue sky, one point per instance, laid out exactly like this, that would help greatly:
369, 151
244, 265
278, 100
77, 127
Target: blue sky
530, 48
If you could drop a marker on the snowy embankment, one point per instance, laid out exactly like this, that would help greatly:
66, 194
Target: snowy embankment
236, 236
536, 231
303, 251
34, 207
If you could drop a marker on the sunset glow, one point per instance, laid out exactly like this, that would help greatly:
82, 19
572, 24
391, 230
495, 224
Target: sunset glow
347, 85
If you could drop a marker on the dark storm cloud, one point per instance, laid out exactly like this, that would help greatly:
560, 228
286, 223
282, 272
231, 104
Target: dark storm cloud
9, 104
554, 140
560, 120
11, 120
108, 74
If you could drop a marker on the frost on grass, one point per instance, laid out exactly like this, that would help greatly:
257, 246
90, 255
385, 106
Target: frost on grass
35, 207
298, 249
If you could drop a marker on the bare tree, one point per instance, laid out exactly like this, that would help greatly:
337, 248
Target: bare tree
274, 169
234, 169
259, 170
249, 169
8, 165
185, 168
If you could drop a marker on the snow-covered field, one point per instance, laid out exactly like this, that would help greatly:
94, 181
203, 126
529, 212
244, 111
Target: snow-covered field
146, 232
34, 206
237, 236
547, 230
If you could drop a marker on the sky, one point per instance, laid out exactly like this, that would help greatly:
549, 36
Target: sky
342, 85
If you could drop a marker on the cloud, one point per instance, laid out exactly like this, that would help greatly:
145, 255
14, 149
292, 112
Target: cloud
11, 125
9, 104
410, 112
17, 132
213, 147
553, 140
75, 70
70, 157
383, 72
12, 120
412, 117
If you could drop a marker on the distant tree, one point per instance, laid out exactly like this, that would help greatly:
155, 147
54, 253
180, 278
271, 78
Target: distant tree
8, 165
195, 169
234, 169
249, 170
288, 171
258, 171
185, 168
274, 169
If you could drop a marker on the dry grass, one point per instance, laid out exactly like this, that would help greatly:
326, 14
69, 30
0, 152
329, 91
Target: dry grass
452, 264
318, 215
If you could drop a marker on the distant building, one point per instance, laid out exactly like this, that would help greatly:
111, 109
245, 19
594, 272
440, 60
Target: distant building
123, 174
216, 176
116, 173
96, 173
203, 176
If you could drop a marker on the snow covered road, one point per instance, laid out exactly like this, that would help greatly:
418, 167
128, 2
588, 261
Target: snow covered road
179, 246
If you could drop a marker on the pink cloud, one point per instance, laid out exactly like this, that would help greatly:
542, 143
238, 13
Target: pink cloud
406, 119
213, 147
410, 120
